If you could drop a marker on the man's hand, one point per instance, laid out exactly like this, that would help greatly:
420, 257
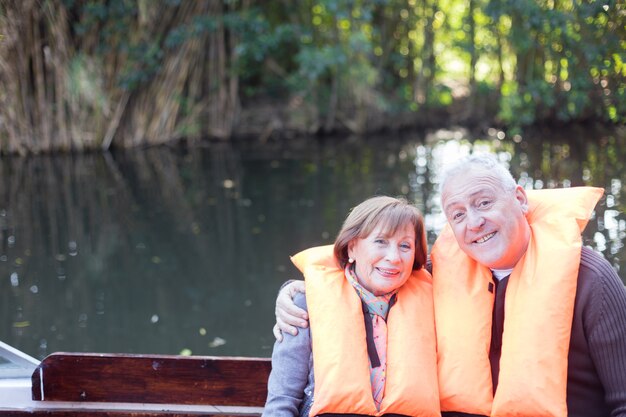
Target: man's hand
288, 314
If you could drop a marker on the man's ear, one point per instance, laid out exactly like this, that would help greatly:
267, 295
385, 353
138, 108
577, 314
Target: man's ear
522, 198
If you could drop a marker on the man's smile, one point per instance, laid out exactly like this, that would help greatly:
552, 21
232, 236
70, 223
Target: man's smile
485, 238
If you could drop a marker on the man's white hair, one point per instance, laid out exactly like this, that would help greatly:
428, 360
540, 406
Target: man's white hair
485, 161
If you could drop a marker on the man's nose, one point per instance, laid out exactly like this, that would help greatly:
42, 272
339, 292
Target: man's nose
475, 220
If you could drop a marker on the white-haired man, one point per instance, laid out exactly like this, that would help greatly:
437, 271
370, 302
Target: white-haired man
529, 322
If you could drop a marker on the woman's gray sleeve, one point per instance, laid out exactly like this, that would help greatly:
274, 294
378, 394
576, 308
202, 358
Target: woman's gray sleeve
290, 371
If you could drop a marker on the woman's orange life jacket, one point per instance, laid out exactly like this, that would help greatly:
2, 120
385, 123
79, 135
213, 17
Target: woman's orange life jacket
539, 306
340, 359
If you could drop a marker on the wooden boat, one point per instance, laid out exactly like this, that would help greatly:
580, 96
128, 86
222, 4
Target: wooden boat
116, 385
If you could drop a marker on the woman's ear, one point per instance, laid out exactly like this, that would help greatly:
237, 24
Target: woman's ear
351, 249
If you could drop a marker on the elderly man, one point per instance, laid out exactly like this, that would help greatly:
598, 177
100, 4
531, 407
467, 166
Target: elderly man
529, 322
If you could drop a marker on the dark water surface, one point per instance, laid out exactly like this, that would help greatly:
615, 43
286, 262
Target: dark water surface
174, 250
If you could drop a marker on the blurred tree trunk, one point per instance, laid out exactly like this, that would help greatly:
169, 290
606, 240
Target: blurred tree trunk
426, 74
333, 98
471, 102
194, 93
500, 47
61, 89
472, 46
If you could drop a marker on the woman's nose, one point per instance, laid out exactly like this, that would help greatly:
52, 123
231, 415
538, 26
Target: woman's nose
393, 253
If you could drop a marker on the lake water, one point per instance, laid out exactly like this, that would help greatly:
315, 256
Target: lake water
182, 249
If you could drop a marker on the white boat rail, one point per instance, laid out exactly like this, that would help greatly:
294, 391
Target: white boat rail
15, 363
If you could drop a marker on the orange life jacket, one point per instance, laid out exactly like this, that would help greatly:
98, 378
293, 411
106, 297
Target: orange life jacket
340, 360
539, 305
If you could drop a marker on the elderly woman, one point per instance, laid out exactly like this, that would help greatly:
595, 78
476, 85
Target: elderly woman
370, 349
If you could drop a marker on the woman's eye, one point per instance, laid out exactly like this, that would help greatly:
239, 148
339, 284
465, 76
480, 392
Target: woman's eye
405, 246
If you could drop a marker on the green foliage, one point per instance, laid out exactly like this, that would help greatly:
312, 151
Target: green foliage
144, 61
563, 53
560, 60
111, 22
197, 27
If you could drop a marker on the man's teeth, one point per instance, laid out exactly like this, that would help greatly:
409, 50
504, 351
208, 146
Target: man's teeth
485, 238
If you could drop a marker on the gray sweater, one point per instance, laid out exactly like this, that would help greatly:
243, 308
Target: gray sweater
290, 385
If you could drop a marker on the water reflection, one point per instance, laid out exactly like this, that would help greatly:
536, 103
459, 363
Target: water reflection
182, 250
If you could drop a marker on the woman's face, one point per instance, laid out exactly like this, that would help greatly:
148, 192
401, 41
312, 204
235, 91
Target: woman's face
384, 262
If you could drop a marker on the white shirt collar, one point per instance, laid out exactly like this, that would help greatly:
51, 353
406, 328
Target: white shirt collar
501, 273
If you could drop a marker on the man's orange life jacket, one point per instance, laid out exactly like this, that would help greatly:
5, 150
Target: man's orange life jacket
539, 305
340, 359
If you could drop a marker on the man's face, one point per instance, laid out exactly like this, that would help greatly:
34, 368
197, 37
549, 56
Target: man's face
488, 221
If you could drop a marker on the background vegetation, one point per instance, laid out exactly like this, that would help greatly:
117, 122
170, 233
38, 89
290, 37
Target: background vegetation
85, 74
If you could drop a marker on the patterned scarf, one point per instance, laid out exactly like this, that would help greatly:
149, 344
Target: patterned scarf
377, 307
